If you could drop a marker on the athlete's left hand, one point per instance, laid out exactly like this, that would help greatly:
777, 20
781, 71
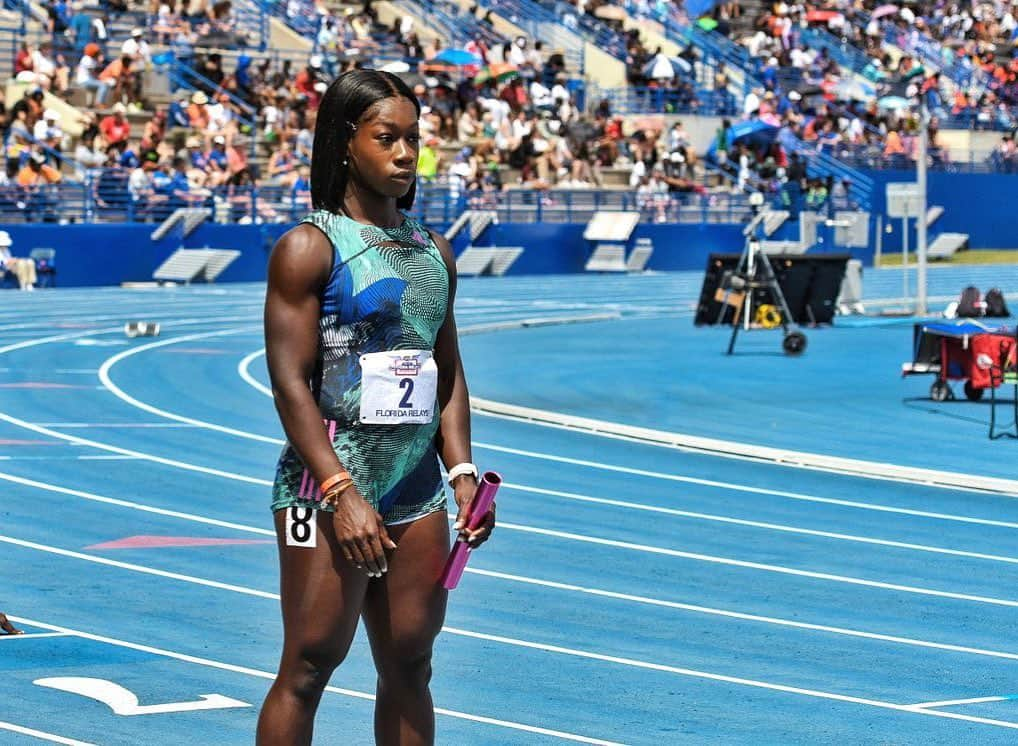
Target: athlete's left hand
465, 487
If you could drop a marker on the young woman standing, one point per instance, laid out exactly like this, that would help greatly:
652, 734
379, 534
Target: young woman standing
362, 352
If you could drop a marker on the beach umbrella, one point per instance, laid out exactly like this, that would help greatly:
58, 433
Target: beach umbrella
752, 132
458, 57
707, 24
500, 72
666, 68
885, 10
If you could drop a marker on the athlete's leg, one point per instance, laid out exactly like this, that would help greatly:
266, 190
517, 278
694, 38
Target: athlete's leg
322, 595
403, 614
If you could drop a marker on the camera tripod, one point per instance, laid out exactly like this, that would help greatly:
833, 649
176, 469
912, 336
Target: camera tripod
755, 272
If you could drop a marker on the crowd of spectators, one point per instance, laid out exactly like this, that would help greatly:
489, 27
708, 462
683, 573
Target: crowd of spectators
510, 118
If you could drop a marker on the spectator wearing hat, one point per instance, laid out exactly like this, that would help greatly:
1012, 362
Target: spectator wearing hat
197, 113
114, 127
218, 163
137, 49
48, 131
24, 270
85, 75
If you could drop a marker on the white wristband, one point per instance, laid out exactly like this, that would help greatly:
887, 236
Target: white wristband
460, 469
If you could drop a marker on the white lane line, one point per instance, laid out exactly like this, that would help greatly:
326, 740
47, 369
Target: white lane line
107, 366
334, 689
873, 470
536, 581
573, 652
742, 616
32, 635
105, 425
138, 454
781, 569
43, 735
243, 370
733, 486
136, 506
108, 330
952, 702
561, 534
758, 524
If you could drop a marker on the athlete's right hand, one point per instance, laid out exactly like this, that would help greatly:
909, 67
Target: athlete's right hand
361, 534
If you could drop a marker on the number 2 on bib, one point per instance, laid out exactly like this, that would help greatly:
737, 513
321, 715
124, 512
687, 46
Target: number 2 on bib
408, 384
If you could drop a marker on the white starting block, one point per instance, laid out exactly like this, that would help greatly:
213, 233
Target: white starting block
189, 265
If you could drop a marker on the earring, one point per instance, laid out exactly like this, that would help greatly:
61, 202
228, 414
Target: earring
346, 161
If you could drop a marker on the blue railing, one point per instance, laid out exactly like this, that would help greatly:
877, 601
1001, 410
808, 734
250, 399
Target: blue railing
930, 52
846, 54
103, 197
592, 29
647, 100
540, 24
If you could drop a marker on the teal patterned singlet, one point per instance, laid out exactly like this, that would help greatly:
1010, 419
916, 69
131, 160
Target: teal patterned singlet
388, 290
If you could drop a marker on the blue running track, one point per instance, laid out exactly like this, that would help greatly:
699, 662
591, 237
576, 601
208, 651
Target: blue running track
633, 593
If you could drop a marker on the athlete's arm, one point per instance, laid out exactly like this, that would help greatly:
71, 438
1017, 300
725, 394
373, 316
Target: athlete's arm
453, 437
298, 271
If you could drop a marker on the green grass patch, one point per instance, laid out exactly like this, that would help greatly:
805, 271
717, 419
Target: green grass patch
975, 256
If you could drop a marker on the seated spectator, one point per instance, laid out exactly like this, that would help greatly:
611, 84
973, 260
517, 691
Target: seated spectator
119, 75
85, 74
137, 49
114, 127
88, 154
142, 188
36, 173
23, 269
282, 167
197, 112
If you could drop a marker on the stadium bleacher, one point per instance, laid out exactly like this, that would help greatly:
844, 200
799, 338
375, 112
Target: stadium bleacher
556, 97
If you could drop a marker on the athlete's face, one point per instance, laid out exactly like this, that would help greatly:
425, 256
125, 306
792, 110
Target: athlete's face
383, 150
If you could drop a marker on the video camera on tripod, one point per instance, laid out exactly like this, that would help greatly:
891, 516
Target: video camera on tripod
754, 272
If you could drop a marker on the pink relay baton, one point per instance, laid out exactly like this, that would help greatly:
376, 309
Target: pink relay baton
479, 507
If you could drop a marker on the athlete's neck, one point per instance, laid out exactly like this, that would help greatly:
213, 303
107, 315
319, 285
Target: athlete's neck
371, 209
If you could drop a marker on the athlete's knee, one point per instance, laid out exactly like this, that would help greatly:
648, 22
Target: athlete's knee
307, 673
407, 665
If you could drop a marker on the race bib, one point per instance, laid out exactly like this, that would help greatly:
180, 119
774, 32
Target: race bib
398, 387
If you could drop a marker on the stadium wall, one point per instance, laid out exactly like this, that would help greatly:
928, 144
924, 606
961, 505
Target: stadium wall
979, 204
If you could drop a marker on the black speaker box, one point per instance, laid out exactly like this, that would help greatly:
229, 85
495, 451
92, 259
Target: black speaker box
810, 283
